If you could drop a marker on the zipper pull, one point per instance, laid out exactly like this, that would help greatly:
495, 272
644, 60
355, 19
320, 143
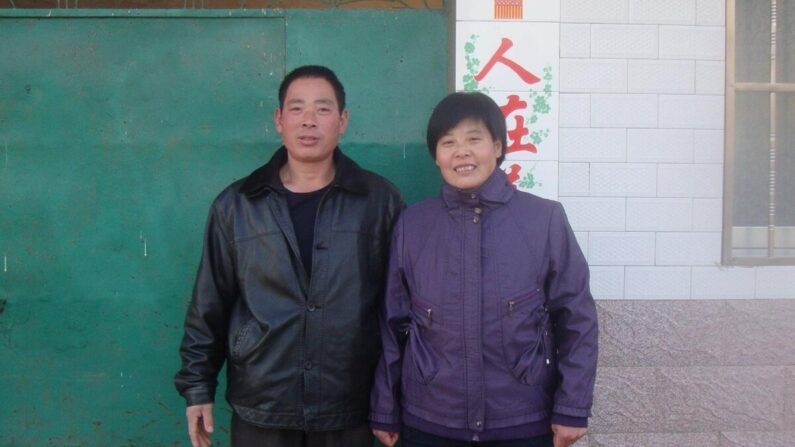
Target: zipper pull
510, 308
430, 316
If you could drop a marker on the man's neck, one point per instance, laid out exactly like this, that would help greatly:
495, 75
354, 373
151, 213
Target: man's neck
299, 176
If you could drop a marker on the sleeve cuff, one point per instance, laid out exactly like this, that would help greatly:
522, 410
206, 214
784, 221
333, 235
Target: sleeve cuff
197, 397
393, 428
569, 421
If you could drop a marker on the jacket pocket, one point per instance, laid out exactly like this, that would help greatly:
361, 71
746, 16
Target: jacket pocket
246, 340
526, 338
419, 348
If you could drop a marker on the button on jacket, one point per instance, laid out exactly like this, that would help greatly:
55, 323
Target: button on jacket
488, 322
300, 353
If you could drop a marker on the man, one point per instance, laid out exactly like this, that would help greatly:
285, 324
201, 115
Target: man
290, 278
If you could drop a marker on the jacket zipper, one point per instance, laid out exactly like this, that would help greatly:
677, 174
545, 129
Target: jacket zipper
428, 311
512, 303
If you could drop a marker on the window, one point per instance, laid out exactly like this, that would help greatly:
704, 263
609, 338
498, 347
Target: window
759, 199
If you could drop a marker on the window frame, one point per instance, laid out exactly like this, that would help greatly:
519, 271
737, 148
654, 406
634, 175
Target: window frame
732, 87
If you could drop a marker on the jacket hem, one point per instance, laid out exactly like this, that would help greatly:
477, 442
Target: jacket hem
519, 431
293, 421
414, 412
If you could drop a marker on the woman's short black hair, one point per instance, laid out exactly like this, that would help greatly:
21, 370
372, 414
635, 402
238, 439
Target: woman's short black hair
457, 107
313, 71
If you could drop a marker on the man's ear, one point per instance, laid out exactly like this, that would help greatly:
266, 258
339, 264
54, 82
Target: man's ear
277, 119
343, 121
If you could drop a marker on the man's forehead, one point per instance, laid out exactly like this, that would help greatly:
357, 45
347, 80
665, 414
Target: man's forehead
322, 100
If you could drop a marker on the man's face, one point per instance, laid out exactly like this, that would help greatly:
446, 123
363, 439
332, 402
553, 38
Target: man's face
310, 122
467, 155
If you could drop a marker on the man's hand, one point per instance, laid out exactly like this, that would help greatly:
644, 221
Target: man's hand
566, 436
200, 424
387, 438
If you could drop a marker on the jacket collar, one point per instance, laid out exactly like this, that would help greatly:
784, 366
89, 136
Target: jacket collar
347, 175
496, 190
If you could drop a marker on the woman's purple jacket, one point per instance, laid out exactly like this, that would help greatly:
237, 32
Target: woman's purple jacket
488, 327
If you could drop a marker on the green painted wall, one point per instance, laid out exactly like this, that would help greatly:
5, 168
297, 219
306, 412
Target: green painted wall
116, 132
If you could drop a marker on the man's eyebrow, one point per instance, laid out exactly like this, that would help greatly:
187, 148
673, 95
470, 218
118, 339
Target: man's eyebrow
295, 101
329, 102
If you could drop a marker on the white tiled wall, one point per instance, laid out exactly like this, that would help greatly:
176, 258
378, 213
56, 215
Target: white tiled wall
692, 42
691, 111
592, 144
717, 282
711, 12
683, 248
657, 214
595, 213
622, 110
675, 12
623, 179
625, 41
689, 180
593, 75
710, 77
660, 145
657, 76
575, 110
621, 248
707, 214
594, 11
657, 282
708, 146
574, 179
641, 149
641, 145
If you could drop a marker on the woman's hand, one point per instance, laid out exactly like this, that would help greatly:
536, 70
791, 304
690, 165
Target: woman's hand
388, 438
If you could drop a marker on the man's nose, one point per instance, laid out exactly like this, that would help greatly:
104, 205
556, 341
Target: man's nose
308, 119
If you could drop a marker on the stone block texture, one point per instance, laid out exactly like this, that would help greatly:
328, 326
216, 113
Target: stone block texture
695, 373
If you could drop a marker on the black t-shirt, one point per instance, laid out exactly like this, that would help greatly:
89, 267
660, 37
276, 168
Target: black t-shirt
303, 210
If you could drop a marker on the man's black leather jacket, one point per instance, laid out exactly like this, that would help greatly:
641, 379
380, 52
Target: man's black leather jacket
300, 354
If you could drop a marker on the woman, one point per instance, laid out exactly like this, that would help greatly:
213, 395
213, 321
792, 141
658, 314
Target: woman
489, 330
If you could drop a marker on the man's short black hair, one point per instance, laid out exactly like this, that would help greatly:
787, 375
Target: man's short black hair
457, 107
313, 71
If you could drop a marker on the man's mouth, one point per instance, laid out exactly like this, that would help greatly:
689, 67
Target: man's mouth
308, 139
464, 169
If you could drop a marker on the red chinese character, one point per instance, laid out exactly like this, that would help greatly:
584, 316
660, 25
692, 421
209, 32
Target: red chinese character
513, 174
499, 56
517, 133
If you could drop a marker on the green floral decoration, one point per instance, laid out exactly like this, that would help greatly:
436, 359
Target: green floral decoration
529, 180
473, 66
540, 103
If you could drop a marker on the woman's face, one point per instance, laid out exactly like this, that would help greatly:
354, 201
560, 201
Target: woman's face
467, 155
